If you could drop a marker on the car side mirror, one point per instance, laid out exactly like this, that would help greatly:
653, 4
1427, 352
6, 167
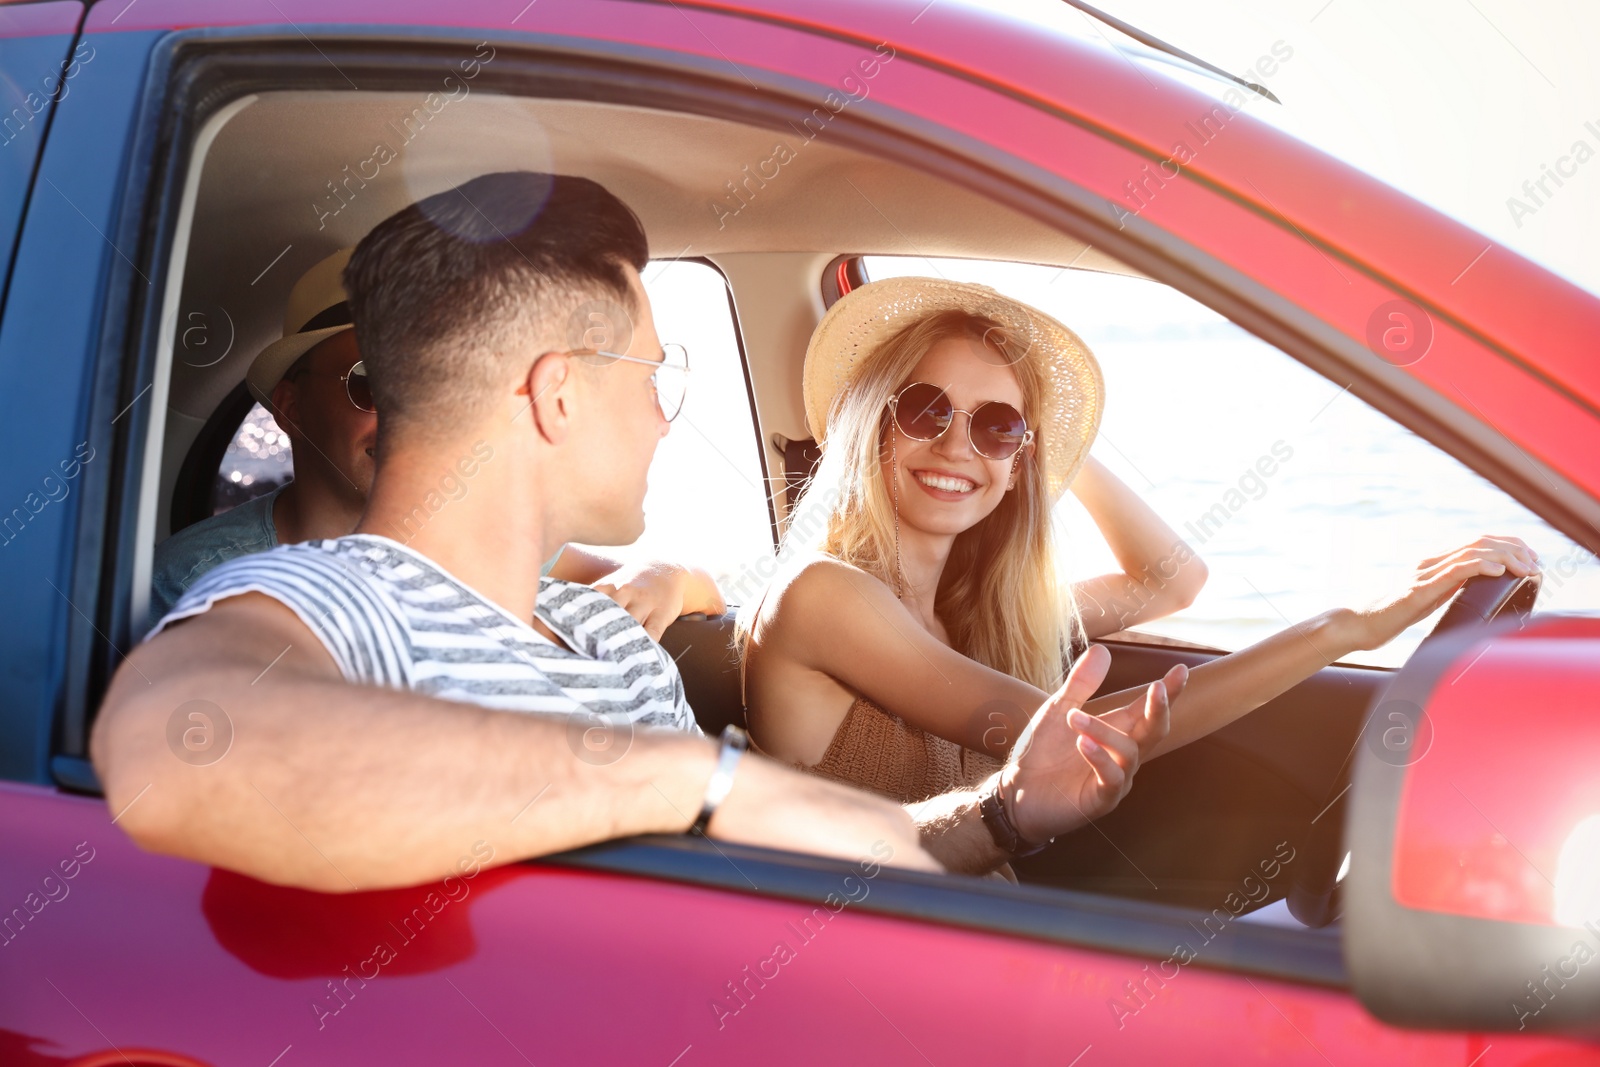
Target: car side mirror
1473, 896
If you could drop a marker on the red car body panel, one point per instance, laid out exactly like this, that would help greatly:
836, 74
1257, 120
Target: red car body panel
552, 965
574, 967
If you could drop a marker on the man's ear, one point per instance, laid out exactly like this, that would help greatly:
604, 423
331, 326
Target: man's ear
286, 405
548, 388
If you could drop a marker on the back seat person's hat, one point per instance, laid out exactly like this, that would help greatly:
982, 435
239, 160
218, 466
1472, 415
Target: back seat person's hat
318, 308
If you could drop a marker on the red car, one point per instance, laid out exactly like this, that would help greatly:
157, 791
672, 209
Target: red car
170, 166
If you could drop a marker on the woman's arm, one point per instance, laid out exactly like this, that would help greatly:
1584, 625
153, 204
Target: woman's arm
579, 565
1227, 688
1160, 572
839, 621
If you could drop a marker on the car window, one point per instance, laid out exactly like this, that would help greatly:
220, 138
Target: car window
1298, 496
258, 460
705, 504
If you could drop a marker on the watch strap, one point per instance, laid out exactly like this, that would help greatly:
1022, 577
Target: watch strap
734, 743
1007, 838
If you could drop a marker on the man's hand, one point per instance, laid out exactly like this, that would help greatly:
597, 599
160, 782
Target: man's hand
656, 593
1070, 767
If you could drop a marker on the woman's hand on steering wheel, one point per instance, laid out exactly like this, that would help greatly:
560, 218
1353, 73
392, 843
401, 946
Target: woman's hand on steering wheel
1436, 579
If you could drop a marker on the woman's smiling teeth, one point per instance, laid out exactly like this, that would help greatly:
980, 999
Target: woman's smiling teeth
945, 482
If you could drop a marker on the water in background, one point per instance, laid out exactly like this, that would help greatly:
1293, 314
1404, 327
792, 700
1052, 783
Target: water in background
256, 462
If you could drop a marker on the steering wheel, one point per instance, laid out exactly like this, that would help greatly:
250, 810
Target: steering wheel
1314, 896
1486, 598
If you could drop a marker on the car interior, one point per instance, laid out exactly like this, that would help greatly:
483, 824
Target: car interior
281, 179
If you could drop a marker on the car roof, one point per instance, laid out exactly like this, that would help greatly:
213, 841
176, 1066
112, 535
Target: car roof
294, 175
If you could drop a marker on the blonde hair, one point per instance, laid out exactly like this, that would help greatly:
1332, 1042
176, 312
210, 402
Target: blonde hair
1000, 596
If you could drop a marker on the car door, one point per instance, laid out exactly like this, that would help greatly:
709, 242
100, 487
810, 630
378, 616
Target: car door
670, 950
37, 43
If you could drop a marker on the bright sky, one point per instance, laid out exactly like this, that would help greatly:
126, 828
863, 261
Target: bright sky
1456, 102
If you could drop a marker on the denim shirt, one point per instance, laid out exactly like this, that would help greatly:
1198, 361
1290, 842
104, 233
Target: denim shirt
182, 558
189, 553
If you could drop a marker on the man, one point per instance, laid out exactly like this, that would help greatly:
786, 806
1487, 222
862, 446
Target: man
314, 382
379, 694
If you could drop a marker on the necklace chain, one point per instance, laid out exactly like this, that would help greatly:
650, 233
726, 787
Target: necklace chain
894, 486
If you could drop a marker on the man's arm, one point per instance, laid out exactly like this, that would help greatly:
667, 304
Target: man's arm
953, 832
337, 787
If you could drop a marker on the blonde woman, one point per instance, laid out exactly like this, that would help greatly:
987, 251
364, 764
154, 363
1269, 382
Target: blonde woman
901, 651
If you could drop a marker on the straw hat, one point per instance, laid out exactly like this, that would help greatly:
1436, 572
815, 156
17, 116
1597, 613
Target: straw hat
864, 318
318, 308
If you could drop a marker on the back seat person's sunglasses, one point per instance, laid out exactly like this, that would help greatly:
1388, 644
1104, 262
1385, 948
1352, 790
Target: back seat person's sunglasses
357, 387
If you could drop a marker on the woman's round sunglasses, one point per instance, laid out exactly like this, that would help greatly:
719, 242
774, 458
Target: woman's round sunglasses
923, 413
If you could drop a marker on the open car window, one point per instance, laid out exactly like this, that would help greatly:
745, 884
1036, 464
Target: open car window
1298, 496
705, 504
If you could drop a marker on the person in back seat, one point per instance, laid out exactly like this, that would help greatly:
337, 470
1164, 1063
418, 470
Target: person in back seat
314, 382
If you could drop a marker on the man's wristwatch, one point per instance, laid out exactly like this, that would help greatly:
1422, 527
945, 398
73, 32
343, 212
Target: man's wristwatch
734, 743
992, 808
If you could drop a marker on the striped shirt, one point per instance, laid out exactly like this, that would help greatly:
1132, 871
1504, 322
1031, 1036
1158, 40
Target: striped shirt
389, 616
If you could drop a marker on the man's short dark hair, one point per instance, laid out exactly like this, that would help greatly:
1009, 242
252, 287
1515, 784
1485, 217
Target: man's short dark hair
458, 292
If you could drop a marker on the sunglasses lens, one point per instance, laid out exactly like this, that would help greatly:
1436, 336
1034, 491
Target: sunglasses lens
359, 388
998, 430
923, 412
672, 380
